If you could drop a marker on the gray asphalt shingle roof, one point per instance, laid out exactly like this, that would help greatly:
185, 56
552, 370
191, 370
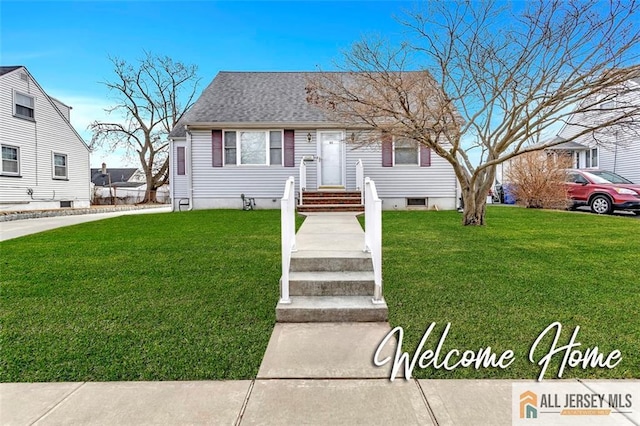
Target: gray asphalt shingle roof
5, 69
253, 97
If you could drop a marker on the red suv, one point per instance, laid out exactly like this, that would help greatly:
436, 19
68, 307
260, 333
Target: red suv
594, 188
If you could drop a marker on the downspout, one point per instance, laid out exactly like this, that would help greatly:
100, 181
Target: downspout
189, 168
172, 188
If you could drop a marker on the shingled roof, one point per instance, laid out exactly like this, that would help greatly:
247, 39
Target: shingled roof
4, 69
253, 97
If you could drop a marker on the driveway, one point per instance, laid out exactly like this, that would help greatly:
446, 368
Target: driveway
20, 228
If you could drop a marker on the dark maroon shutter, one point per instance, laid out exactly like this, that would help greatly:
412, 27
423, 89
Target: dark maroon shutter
216, 148
181, 160
289, 148
387, 150
425, 156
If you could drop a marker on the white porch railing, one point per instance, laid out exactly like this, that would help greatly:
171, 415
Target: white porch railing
303, 179
373, 234
288, 235
360, 178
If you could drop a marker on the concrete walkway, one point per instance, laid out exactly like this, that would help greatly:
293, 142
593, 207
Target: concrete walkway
311, 374
20, 228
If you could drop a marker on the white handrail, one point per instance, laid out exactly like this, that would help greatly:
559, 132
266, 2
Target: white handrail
373, 234
360, 178
288, 235
303, 178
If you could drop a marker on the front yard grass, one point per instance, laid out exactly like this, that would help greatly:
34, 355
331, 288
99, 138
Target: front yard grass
501, 285
190, 296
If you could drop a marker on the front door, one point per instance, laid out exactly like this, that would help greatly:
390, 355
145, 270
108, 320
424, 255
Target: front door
331, 154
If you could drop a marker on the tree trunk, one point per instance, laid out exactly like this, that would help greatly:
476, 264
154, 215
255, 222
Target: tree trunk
150, 196
474, 208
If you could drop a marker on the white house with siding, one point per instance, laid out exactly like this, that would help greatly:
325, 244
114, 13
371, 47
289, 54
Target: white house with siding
45, 162
617, 151
249, 131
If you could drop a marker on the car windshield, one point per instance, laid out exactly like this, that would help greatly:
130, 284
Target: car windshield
610, 176
595, 178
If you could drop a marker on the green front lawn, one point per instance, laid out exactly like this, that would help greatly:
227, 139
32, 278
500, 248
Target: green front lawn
192, 295
503, 284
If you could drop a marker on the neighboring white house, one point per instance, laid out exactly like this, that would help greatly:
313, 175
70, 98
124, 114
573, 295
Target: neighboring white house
122, 186
249, 131
45, 162
620, 150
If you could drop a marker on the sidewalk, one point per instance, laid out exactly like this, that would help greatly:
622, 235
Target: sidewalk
311, 373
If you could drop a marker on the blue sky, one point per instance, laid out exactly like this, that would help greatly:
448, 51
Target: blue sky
65, 45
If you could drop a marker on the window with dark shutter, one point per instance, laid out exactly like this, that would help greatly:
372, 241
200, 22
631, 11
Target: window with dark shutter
289, 148
181, 160
216, 148
387, 150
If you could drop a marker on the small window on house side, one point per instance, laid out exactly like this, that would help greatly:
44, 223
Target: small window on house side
275, 147
578, 160
229, 148
10, 160
24, 106
181, 160
59, 166
405, 152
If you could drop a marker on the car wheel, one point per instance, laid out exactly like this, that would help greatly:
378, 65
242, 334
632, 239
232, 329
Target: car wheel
601, 205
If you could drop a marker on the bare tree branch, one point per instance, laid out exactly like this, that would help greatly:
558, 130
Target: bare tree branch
492, 80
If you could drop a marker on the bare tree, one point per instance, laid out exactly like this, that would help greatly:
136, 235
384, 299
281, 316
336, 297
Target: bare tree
150, 99
482, 81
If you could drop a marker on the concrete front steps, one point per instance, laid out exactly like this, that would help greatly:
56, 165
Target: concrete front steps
331, 201
331, 286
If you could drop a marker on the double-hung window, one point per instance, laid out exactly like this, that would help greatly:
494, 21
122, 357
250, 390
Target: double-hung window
23, 105
249, 147
405, 152
593, 153
10, 160
59, 166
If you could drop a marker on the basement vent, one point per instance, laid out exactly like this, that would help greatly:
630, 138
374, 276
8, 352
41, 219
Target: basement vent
23, 77
416, 202
64, 204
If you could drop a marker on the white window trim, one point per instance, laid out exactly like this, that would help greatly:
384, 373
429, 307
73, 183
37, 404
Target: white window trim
2, 171
15, 104
404, 164
53, 166
239, 151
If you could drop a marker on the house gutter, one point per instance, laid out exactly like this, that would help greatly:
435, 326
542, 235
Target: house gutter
190, 180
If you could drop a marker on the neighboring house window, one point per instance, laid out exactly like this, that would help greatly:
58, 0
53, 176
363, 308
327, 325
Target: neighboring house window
404, 152
577, 159
253, 147
24, 105
181, 160
594, 157
59, 166
10, 160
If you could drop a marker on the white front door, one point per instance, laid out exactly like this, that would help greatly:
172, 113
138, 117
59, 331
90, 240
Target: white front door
331, 154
